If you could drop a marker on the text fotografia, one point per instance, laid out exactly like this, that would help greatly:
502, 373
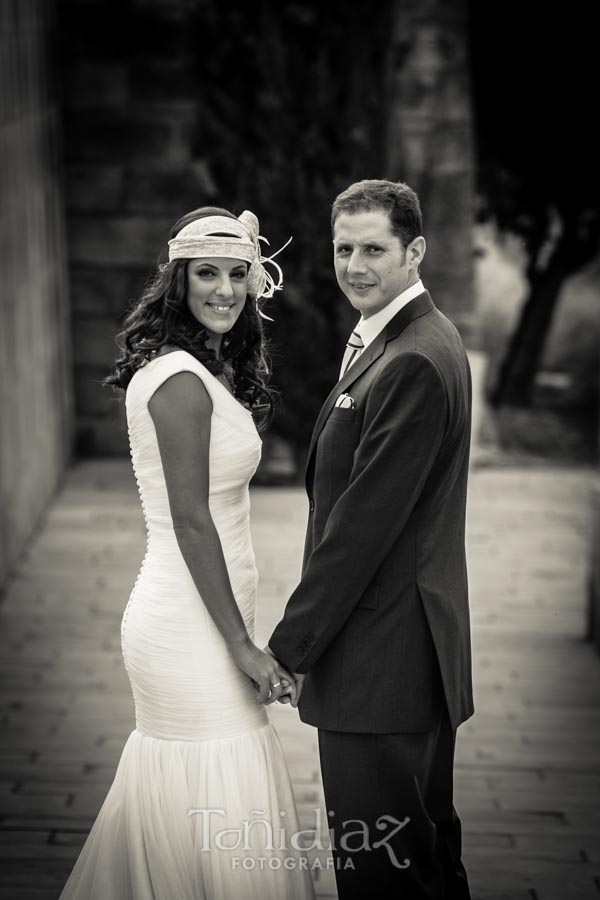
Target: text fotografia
248, 863
354, 836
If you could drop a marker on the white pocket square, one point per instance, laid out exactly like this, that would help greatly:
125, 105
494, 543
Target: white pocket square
345, 401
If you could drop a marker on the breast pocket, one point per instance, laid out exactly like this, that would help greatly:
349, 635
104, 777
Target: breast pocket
335, 451
342, 414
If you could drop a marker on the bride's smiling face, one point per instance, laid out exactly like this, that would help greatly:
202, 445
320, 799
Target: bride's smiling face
217, 290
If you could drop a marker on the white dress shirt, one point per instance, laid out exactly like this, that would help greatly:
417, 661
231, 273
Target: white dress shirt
370, 328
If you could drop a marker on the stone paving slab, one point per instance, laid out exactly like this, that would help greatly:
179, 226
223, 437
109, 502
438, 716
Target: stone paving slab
528, 762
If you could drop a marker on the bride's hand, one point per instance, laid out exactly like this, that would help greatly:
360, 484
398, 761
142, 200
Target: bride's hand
261, 668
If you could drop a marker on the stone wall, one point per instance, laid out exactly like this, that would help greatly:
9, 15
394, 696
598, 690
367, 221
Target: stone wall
276, 108
127, 107
35, 396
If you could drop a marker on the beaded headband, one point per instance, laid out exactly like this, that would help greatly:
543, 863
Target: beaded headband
232, 239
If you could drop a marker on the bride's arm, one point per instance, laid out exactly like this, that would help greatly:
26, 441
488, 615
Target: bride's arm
181, 411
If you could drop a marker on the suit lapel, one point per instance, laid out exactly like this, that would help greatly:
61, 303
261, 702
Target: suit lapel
363, 362
413, 310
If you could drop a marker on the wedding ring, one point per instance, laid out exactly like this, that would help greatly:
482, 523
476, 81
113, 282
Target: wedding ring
276, 685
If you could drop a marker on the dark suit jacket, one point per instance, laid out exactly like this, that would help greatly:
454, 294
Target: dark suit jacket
383, 597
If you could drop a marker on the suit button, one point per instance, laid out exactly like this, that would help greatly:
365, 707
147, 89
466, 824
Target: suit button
311, 506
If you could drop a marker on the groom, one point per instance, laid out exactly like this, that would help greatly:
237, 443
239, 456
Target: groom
378, 628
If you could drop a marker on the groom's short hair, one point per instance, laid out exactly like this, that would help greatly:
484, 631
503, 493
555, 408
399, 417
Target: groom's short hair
394, 197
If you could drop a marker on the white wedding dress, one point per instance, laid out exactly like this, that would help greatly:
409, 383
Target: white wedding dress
203, 757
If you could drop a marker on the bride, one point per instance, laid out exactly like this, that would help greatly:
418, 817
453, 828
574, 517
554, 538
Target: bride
201, 807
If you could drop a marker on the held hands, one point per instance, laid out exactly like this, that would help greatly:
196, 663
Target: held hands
291, 692
270, 678
292, 685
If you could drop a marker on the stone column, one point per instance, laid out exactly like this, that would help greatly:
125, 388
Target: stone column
430, 146
430, 143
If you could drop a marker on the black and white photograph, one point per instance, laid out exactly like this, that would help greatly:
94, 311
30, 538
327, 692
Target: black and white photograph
299, 450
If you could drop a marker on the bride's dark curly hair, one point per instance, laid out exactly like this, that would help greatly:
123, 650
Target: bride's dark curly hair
161, 316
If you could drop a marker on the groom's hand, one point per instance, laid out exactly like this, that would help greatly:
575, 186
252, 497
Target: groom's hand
288, 691
299, 684
297, 681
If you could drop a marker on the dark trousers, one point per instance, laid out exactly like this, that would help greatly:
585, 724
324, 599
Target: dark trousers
404, 840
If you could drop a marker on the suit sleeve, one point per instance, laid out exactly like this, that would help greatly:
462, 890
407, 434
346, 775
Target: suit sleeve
405, 420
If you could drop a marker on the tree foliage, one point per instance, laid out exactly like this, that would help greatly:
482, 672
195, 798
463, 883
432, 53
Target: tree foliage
533, 73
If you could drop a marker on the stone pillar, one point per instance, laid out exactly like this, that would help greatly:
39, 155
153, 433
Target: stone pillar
430, 146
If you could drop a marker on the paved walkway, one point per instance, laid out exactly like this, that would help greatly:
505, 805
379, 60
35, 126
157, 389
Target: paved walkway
528, 762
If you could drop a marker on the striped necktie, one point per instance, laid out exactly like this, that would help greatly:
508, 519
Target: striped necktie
354, 348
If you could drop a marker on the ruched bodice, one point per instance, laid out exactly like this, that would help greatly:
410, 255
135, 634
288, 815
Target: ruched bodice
201, 741
233, 457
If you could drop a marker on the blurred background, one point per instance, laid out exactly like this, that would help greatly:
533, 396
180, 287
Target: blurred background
118, 117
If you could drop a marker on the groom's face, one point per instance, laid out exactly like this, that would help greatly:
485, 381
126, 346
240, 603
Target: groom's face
372, 266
